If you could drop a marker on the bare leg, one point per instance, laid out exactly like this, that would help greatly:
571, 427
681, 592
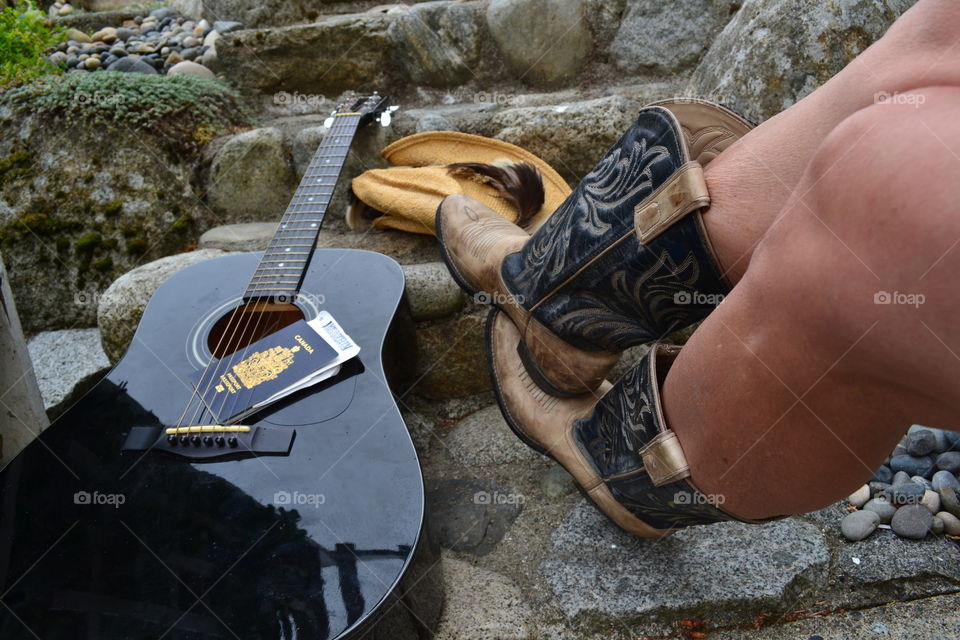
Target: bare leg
795, 389
752, 180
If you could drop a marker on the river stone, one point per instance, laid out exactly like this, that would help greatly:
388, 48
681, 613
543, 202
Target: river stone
859, 524
471, 515
483, 438
451, 359
900, 477
931, 500
923, 482
308, 58
190, 69
950, 501
951, 524
543, 41
131, 65
251, 176
907, 493
437, 44
921, 442
479, 603
774, 52
912, 465
943, 479
882, 508
860, 497
431, 291
66, 363
595, 569
949, 461
912, 521
122, 304
666, 37
939, 435
883, 474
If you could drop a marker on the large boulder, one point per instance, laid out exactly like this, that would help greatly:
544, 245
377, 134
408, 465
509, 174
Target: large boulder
438, 43
666, 37
251, 176
775, 52
543, 41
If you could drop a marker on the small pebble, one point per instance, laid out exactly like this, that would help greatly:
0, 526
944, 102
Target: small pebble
923, 482
92, 63
118, 52
907, 493
859, 524
882, 474
921, 442
951, 523
931, 500
900, 477
937, 526
943, 479
882, 508
949, 461
223, 26
860, 497
939, 436
950, 501
77, 36
952, 437
912, 521
877, 488
912, 465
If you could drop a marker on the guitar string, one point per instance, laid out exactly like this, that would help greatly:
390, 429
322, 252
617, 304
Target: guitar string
348, 125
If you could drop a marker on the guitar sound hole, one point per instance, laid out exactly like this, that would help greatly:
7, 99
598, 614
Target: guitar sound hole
248, 323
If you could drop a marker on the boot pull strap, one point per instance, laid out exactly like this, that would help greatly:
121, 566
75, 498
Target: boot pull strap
663, 459
683, 192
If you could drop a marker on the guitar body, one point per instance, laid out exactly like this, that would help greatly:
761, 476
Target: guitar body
102, 543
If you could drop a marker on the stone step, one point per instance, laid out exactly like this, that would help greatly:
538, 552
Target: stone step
67, 364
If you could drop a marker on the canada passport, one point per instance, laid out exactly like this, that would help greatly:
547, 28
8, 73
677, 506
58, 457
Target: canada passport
261, 372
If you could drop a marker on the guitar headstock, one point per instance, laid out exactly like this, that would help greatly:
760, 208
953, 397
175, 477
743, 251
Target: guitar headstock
370, 108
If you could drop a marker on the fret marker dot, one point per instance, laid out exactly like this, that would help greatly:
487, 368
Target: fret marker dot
314, 224
327, 160
310, 198
283, 226
280, 265
287, 249
320, 180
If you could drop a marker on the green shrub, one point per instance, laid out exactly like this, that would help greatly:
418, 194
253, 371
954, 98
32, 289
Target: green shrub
25, 36
179, 110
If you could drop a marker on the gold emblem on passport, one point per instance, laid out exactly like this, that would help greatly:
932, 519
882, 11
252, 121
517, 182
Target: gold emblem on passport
260, 367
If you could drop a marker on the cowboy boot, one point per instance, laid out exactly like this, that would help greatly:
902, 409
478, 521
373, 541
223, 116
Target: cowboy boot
615, 442
624, 260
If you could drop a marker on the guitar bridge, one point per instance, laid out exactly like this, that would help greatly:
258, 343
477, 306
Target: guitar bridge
207, 443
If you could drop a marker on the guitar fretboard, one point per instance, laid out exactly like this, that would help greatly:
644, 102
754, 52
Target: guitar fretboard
285, 260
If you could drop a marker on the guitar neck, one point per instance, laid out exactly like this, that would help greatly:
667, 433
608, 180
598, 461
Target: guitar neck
285, 259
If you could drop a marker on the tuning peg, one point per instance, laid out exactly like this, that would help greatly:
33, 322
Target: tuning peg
385, 119
329, 121
393, 108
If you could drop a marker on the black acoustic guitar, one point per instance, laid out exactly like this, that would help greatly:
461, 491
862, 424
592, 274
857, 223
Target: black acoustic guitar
137, 515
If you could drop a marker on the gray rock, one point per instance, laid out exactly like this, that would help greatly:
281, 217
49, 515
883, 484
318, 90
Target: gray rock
882, 508
190, 69
472, 515
596, 569
943, 479
161, 13
131, 65
931, 500
300, 58
951, 524
859, 524
921, 442
251, 176
860, 497
950, 501
949, 461
883, 474
952, 439
666, 37
880, 489
912, 521
543, 41
483, 438
923, 482
774, 52
122, 304
900, 477
937, 527
434, 122
431, 291
480, 603
912, 465
939, 435
67, 363
907, 493
437, 43
556, 482
226, 26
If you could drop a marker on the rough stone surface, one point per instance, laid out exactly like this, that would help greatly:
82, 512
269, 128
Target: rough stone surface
774, 52
308, 58
481, 604
451, 361
431, 292
66, 364
596, 568
122, 304
251, 176
543, 41
484, 438
683, 32
472, 515
437, 44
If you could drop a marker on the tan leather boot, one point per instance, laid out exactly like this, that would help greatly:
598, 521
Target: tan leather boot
625, 259
614, 441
